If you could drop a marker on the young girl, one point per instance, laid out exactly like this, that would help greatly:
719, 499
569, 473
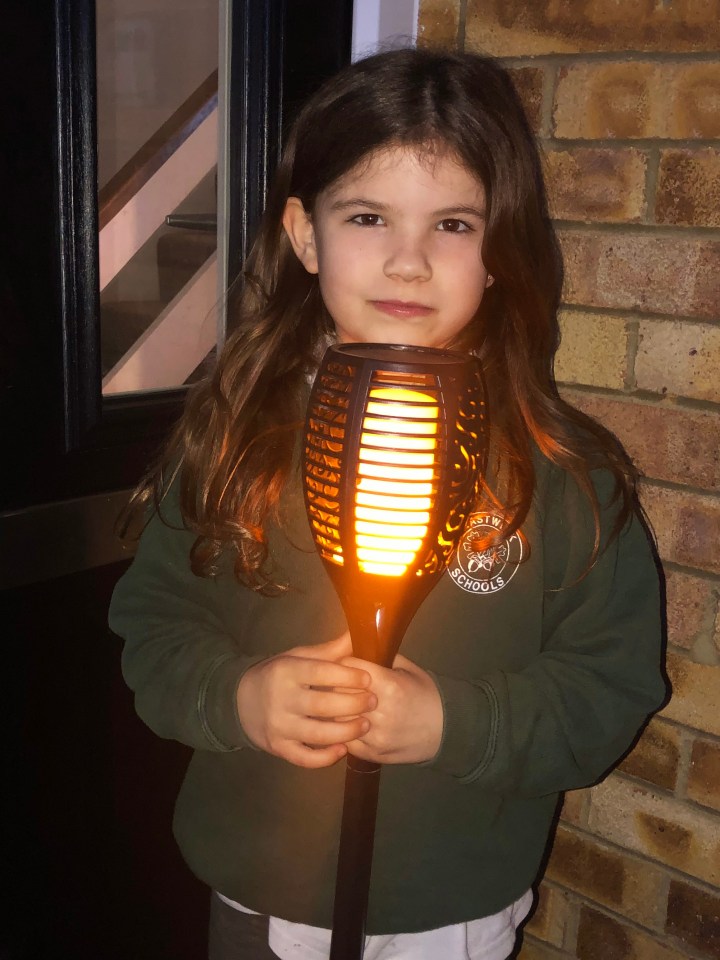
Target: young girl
408, 208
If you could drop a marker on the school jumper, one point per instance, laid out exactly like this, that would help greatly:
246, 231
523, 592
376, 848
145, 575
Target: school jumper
545, 675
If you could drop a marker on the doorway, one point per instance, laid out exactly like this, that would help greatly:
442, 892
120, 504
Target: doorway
90, 866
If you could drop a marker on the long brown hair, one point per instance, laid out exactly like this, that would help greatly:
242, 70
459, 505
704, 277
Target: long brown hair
232, 448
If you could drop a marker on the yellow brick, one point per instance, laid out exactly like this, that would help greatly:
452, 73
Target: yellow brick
530, 85
693, 106
575, 807
599, 872
691, 603
551, 917
631, 269
438, 23
601, 937
666, 442
686, 524
656, 755
695, 700
593, 350
638, 99
609, 100
692, 917
688, 191
679, 359
516, 28
704, 775
593, 184
661, 828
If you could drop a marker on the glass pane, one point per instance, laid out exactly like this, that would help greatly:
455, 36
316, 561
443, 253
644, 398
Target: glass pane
157, 63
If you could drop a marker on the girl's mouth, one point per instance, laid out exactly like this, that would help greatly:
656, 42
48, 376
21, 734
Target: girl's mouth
401, 308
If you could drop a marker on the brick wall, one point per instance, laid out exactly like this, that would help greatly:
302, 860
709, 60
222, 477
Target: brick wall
625, 98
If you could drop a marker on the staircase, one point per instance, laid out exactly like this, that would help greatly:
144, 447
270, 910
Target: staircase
158, 296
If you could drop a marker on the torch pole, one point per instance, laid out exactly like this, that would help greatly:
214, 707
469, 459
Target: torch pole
395, 443
376, 634
352, 884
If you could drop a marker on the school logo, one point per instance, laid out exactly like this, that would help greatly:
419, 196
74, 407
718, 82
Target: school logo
486, 561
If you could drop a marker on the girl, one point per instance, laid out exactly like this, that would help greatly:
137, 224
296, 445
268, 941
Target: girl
409, 207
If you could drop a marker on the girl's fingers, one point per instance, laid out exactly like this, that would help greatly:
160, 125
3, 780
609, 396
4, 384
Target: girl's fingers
313, 758
361, 750
353, 663
402, 663
330, 650
313, 734
296, 698
380, 678
323, 733
323, 673
335, 704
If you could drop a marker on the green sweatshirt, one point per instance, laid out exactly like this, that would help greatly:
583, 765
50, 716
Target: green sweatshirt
545, 677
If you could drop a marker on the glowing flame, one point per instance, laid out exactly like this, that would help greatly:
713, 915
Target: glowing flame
396, 472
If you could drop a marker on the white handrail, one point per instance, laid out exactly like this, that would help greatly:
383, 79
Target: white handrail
175, 343
137, 221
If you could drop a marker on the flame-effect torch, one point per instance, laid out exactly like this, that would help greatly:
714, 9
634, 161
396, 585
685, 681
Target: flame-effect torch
395, 451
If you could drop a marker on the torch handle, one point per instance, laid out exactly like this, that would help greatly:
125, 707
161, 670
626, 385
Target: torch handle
352, 885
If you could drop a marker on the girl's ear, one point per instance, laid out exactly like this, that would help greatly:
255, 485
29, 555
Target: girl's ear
299, 228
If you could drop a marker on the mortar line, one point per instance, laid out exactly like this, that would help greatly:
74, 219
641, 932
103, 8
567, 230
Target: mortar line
665, 231
652, 174
632, 342
641, 143
705, 575
646, 398
462, 19
683, 769
675, 487
613, 56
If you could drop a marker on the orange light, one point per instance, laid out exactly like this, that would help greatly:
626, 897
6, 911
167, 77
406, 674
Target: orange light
407, 469
396, 473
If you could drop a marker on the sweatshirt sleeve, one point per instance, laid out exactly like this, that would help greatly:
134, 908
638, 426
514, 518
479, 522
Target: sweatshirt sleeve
565, 719
179, 658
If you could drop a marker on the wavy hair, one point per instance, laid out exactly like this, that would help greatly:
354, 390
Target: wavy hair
232, 447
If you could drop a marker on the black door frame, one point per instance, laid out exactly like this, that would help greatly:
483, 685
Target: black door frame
67, 441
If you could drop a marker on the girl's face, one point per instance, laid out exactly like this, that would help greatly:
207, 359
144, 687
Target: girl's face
396, 244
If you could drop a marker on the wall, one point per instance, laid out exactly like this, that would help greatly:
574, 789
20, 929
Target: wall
625, 98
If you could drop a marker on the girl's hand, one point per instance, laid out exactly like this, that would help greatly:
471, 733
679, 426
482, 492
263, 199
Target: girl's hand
407, 723
304, 706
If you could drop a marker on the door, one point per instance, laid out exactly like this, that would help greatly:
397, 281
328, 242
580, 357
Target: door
90, 866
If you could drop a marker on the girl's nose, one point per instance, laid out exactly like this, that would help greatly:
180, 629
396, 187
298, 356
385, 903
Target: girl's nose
408, 260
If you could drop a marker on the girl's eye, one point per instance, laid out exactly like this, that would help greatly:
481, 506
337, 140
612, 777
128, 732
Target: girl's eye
451, 225
367, 219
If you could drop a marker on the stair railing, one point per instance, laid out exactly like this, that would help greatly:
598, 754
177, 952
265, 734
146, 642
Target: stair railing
132, 206
135, 202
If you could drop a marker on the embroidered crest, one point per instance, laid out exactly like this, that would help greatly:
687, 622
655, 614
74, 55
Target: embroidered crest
486, 561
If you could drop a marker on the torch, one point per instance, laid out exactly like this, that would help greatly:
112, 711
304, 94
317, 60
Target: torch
395, 449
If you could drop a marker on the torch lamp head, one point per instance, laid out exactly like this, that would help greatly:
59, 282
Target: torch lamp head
395, 450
